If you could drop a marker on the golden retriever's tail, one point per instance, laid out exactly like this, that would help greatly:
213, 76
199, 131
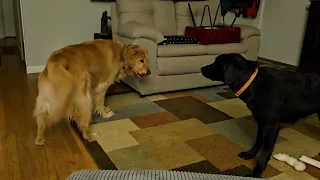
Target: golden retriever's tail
62, 85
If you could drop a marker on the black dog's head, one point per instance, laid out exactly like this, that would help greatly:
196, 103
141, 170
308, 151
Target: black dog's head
228, 68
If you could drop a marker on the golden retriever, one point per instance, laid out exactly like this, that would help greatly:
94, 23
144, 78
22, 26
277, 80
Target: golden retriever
76, 78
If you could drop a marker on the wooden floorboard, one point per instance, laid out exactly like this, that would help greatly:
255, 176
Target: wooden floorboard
20, 158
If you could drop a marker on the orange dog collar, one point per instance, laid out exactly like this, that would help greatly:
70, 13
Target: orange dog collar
247, 84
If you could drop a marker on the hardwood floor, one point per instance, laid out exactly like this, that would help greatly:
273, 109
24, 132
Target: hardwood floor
20, 158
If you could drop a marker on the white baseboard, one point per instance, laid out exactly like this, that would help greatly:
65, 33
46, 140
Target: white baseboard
34, 69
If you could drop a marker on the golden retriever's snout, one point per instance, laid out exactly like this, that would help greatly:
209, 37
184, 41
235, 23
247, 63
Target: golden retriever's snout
146, 73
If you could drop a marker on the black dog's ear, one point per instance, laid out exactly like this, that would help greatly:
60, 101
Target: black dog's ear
243, 63
237, 66
229, 75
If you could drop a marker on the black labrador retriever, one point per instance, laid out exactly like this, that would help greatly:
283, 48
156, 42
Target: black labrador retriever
274, 96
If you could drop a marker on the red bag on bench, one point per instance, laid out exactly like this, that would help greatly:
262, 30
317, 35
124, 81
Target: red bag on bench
213, 34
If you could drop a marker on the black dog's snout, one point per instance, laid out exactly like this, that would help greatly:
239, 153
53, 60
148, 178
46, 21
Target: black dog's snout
205, 71
202, 69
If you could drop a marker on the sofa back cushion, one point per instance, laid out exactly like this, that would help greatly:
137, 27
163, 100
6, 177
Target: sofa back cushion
114, 18
183, 17
140, 11
159, 14
164, 17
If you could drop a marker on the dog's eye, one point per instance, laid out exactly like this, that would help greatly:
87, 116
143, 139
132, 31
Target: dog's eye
142, 60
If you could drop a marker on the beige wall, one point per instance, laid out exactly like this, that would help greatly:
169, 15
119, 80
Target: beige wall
48, 25
282, 30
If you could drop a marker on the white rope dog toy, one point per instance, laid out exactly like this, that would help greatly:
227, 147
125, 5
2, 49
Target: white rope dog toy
310, 161
296, 164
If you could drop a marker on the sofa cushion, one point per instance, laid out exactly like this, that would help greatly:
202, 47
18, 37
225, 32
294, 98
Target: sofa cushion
182, 65
173, 50
216, 49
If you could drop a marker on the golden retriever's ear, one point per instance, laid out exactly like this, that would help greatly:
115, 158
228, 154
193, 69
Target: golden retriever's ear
128, 52
130, 47
126, 49
145, 52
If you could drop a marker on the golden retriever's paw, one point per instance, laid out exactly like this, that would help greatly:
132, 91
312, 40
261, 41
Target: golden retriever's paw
108, 114
86, 137
39, 141
104, 112
95, 136
107, 109
91, 136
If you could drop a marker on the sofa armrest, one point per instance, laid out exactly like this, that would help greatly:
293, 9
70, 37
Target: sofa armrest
134, 30
248, 31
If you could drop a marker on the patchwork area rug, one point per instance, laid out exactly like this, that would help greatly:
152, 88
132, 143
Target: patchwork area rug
199, 130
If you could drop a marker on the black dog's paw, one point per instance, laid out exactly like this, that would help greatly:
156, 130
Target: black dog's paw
246, 155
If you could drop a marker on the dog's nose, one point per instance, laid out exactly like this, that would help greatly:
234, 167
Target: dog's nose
148, 72
203, 69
